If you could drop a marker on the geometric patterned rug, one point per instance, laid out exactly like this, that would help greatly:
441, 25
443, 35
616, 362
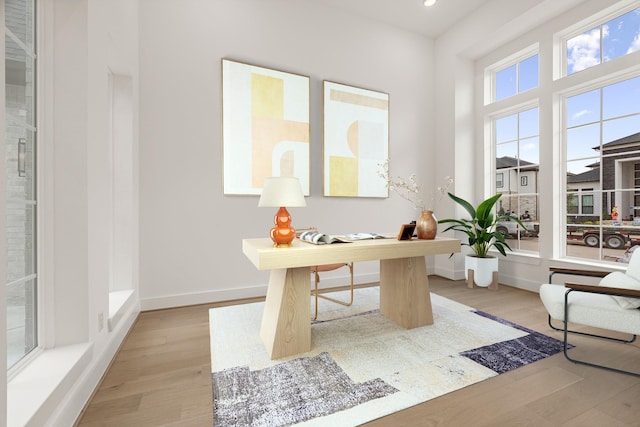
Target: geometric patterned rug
361, 366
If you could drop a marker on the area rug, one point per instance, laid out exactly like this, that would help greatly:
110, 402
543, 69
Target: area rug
362, 366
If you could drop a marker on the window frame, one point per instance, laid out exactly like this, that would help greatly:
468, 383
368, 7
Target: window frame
490, 121
595, 83
560, 38
491, 71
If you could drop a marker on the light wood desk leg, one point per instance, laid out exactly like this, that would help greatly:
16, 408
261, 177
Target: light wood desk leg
286, 329
404, 292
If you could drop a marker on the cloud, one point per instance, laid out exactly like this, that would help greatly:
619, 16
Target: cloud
584, 50
635, 45
580, 114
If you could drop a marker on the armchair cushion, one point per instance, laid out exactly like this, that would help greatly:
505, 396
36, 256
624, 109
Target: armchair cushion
597, 310
633, 269
618, 279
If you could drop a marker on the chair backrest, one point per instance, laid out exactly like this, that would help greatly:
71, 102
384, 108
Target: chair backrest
633, 269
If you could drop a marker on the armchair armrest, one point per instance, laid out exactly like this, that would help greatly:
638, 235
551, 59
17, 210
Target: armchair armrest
605, 290
576, 272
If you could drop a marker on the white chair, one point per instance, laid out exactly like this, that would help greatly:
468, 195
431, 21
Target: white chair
613, 304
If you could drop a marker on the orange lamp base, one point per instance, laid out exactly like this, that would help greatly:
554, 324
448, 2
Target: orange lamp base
283, 233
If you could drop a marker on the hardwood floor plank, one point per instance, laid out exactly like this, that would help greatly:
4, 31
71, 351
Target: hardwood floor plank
623, 406
594, 418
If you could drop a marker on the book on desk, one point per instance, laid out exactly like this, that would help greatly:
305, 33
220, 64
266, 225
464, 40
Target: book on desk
317, 238
321, 238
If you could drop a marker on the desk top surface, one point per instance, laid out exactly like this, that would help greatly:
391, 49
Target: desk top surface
302, 254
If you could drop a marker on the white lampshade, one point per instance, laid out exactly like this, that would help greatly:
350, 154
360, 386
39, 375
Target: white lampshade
282, 191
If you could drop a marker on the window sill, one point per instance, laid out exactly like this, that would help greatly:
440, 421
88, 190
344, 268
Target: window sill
532, 258
119, 302
36, 391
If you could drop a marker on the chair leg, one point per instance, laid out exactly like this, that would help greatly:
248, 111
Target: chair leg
566, 331
604, 337
346, 304
317, 295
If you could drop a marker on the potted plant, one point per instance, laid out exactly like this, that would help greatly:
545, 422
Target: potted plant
482, 236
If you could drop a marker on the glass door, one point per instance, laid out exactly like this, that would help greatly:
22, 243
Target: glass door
20, 167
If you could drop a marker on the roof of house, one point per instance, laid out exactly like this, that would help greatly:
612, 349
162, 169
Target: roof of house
505, 162
588, 176
629, 139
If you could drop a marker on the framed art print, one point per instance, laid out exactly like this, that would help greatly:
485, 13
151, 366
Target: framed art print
355, 141
265, 126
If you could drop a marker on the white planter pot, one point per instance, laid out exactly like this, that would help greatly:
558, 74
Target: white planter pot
483, 269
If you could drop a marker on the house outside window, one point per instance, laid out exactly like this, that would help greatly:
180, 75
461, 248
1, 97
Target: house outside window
499, 180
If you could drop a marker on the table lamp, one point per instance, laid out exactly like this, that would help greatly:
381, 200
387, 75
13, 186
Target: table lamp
282, 191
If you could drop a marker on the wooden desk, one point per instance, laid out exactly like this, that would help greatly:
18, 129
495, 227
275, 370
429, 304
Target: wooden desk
404, 283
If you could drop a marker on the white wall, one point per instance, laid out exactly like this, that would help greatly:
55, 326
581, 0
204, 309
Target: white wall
190, 233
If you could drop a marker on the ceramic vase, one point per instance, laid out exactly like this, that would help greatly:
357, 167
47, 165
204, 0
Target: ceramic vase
426, 226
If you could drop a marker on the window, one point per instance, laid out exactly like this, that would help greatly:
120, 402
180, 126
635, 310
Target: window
602, 143
587, 204
605, 42
517, 147
516, 78
20, 173
590, 127
572, 202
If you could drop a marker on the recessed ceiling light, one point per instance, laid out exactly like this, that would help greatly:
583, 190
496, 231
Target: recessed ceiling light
429, 2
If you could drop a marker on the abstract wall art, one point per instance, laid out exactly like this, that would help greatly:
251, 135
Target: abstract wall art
355, 141
265, 126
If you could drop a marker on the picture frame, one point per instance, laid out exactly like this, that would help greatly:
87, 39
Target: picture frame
265, 127
355, 141
406, 232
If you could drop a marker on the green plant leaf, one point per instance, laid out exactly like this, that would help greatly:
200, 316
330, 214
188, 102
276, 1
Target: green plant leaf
480, 229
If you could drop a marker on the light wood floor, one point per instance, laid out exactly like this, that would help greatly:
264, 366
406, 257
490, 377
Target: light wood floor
161, 376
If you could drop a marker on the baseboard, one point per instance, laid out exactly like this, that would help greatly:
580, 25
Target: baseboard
207, 297
520, 283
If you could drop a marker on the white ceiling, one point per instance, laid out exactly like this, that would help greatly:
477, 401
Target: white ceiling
412, 14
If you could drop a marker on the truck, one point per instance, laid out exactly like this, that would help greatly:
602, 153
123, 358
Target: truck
613, 239
512, 229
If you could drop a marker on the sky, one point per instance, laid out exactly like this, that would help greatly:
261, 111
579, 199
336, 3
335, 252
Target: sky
616, 105
605, 114
620, 36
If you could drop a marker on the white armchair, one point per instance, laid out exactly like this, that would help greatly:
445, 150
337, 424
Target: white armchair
613, 304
